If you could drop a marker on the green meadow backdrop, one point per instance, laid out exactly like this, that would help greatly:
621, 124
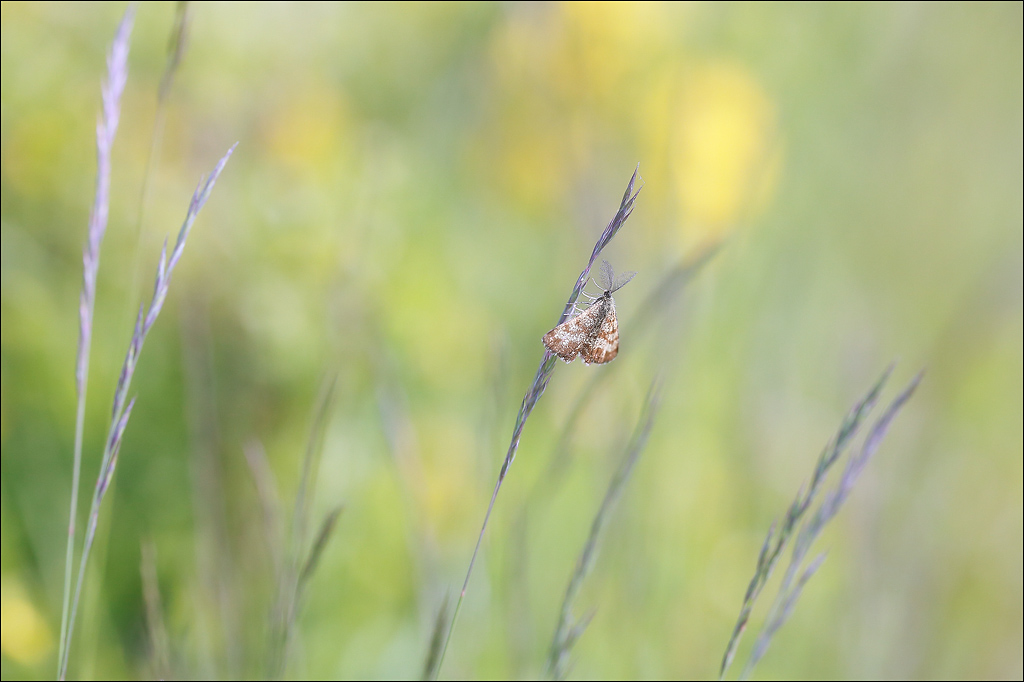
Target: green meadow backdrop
826, 189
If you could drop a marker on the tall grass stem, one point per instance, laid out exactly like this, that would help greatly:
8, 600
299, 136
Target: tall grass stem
789, 592
567, 632
106, 129
298, 568
122, 406
803, 530
539, 385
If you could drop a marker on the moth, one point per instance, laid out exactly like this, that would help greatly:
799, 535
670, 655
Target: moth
594, 333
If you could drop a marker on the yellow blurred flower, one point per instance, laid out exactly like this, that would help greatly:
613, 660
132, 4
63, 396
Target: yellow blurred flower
724, 151
565, 83
604, 43
24, 635
309, 130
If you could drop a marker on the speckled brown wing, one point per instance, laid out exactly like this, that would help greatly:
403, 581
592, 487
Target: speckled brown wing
603, 346
567, 339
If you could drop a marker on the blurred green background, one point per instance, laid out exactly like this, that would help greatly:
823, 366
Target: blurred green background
415, 190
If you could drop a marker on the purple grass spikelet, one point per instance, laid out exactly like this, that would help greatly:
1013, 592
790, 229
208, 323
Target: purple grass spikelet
804, 529
122, 407
106, 128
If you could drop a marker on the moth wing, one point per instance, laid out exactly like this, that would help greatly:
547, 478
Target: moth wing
606, 277
604, 346
622, 280
568, 338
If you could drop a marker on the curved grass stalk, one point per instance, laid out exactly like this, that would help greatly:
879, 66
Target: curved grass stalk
106, 130
537, 388
122, 407
804, 531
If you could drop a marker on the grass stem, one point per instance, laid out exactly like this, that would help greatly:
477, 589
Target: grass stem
539, 385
